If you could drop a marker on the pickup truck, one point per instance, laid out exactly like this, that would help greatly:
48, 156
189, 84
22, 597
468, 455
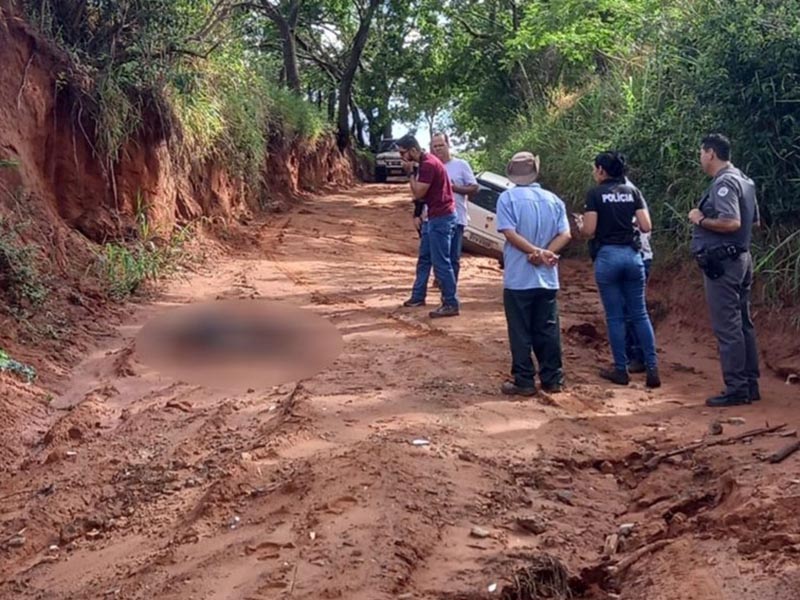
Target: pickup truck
388, 162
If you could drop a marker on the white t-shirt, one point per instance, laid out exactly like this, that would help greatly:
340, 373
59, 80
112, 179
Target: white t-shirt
644, 238
460, 174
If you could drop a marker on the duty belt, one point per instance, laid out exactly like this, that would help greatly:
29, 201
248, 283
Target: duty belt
727, 251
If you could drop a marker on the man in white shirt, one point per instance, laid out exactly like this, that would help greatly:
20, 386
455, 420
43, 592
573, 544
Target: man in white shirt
464, 184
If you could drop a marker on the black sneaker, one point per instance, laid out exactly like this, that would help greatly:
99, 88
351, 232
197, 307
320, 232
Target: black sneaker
636, 366
444, 311
724, 400
615, 376
509, 388
653, 380
411, 303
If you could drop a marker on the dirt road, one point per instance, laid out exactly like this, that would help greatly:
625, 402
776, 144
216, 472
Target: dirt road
137, 486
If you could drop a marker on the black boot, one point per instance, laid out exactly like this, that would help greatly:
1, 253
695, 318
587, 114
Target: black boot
724, 400
615, 376
653, 380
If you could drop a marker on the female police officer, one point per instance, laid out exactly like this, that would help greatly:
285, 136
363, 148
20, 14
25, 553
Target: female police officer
612, 207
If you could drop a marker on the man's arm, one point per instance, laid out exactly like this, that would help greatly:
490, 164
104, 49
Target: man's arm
519, 242
470, 187
418, 189
718, 225
725, 203
558, 243
466, 190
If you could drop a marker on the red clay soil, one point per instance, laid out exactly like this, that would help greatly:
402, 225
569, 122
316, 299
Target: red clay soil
125, 483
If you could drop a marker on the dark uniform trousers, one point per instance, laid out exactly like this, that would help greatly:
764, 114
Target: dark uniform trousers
532, 317
729, 304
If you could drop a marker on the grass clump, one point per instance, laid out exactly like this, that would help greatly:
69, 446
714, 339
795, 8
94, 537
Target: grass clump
20, 279
8, 364
125, 267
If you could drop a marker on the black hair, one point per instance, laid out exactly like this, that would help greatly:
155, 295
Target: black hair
719, 143
612, 162
409, 142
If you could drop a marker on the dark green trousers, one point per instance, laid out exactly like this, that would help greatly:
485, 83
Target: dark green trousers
532, 318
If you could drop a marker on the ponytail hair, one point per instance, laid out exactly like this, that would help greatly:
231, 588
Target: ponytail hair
612, 162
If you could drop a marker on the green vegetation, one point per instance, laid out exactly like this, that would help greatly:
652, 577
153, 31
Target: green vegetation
10, 365
125, 267
20, 281
567, 78
564, 78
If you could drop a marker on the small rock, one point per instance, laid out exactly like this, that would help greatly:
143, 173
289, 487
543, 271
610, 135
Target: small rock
735, 421
406, 596
71, 453
93, 534
70, 532
492, 588
234, 522
17, 541
677, 523
564, 478
420, 442
312, 535
565, 496
715, 428
611, 545
479, 532
53, 548
532, 523
626, 529
606, 468
786, 434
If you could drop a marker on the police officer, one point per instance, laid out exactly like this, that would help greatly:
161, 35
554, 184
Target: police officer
723, 224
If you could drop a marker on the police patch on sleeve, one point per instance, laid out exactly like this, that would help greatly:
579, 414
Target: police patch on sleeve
722, 192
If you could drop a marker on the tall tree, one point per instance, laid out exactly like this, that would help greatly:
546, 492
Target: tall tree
351, 65
284, 15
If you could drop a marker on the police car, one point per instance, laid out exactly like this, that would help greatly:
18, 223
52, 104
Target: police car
481, 235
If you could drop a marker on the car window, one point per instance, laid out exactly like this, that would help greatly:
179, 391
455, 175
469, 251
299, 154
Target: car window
486, 199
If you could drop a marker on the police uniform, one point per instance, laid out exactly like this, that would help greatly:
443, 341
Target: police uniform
728, 275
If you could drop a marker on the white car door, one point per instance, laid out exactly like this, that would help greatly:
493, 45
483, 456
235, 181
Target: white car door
481, 234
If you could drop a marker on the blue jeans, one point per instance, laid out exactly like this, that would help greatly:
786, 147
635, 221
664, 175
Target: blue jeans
633, 349
619, 272
424, 264
455, 250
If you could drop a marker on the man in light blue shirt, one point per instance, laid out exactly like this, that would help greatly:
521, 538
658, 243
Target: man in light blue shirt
534, 222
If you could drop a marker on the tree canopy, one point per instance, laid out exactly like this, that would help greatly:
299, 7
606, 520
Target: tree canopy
564, 78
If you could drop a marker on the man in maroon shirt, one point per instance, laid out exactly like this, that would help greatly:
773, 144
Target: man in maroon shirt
430, 183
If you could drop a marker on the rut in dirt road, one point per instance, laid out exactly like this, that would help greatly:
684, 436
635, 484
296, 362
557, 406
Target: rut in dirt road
143, 487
